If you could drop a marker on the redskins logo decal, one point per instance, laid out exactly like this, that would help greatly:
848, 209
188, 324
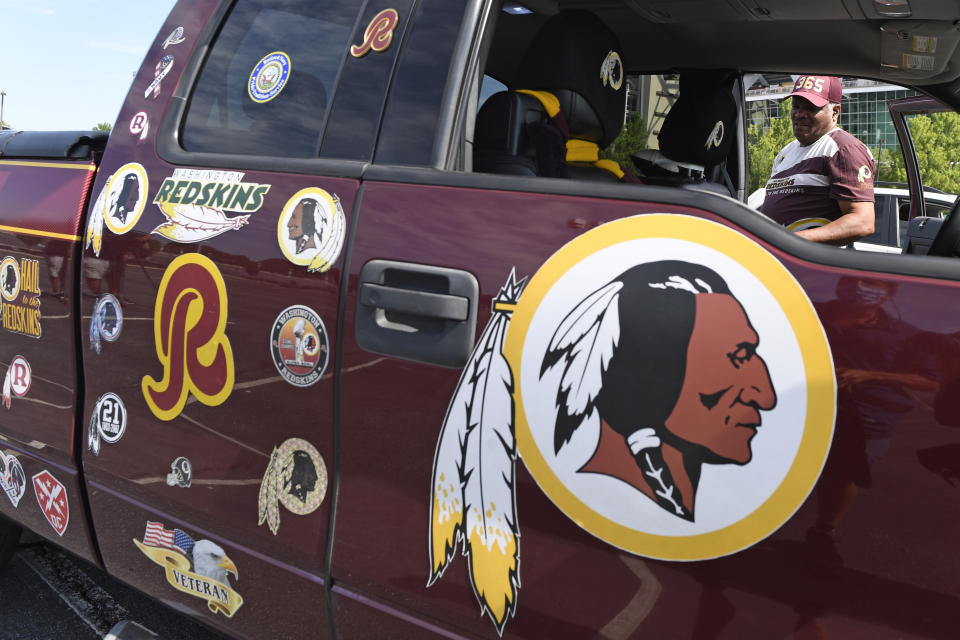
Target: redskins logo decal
119, 205
378, 35
668, 385
311, 229
611, 71
189, 320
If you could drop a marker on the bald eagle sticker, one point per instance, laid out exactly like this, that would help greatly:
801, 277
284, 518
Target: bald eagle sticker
666, 382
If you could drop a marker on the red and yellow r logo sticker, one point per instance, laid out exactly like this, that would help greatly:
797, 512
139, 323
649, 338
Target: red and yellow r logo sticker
378, 35
189, 319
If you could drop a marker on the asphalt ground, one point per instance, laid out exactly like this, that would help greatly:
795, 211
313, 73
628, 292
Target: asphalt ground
49, 594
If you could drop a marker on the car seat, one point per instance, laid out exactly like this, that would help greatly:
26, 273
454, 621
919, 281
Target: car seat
570, 103
696, 135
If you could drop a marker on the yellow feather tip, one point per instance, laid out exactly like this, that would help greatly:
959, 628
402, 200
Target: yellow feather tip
493, 567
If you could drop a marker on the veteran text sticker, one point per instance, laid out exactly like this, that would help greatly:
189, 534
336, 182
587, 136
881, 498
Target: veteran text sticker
108, 422
189, 323
687, 433
181, 473
52, 497
106, 323
196, 202
299, 345
269, 76
13, 481
378, 35
296, 477
311, 229
198, 568
119, 205
17, 380
160, 71
20, 293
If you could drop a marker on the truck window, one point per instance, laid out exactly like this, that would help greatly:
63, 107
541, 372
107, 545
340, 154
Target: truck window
265, 87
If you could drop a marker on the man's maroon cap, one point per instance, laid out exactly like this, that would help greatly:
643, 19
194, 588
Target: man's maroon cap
818, 89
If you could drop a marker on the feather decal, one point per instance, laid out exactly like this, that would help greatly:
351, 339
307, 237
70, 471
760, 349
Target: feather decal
94, 235
268, 503
193, 223
95, 332
7, 384
93, 433
585, 341
330, 246
473, 497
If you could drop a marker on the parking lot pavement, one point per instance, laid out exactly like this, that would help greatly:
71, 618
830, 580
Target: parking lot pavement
49, 594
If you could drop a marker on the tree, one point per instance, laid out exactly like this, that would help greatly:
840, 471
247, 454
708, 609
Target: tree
765, 143
633, 137
103, 126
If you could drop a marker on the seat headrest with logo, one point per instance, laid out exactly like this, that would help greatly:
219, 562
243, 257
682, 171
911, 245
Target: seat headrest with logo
574, 51
701, 124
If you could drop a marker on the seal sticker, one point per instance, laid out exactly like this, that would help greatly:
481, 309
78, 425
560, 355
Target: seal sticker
106, 323
296, 477
195, 203
687, 433
52, 497
108, 421
378, 35
140, 125
199, 568
164, 65
20, 293
181, 473
119, 205
12, 479
269, 76
311, 229
299, 345
175, 37
17, 380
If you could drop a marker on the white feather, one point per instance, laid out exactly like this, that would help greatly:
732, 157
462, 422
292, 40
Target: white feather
6, 389
590, 334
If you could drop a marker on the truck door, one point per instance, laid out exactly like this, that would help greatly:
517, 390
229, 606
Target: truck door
520, 488
212, 268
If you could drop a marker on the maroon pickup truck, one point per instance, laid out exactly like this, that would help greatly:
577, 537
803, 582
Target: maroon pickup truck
350, 329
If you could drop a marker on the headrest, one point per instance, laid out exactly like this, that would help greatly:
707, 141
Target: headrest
575, 51
702, 123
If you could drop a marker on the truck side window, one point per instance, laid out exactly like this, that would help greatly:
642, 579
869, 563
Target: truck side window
266, 85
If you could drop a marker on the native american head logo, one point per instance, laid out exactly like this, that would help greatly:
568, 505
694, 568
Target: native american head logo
659, 376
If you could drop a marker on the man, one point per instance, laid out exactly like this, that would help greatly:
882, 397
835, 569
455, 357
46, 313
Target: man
821, 185
683, 386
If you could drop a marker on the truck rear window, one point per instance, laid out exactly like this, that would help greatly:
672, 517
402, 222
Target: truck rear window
265, 87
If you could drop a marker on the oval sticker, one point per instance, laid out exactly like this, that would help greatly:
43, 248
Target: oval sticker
269, 76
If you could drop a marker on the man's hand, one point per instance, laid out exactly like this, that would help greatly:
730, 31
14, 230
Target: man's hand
856, 222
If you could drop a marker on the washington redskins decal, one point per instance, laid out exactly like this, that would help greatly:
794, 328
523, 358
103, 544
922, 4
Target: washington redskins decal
666, 382
119, 205
189, 322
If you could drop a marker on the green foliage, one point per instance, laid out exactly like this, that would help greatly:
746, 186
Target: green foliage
103, 126
937, 140
764, 145
633, 137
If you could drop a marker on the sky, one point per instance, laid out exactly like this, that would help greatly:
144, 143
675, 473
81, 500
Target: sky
68, 64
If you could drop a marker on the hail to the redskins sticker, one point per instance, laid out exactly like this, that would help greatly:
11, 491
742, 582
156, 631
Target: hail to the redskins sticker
668, 385
299, 345
269, 76
311, 229
296, 477
687, 433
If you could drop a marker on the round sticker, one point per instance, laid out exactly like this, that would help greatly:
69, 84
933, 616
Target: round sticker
109, 317
611, 71
675, 392
20, 376
111, 417
9, 279
311, 229
269, 77
299, 346
302, 481
126, 196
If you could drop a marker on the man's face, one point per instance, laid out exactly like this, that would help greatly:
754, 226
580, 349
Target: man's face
810, 123
295, 226
726, 383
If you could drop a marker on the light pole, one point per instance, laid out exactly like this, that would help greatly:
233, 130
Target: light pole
2, 95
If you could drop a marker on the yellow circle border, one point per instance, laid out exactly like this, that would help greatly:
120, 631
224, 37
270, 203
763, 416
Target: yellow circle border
283, 81
137, 169
316, 192
16, 266
815, 353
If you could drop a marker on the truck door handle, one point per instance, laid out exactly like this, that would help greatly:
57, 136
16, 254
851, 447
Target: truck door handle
417, 312
417, 303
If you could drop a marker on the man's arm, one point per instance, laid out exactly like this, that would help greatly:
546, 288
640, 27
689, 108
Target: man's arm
856, 222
